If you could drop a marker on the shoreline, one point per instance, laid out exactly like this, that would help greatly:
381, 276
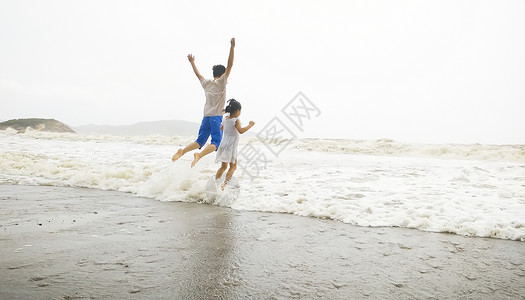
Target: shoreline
71, 243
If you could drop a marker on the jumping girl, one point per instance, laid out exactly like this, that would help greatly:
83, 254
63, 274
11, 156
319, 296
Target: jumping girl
227, 152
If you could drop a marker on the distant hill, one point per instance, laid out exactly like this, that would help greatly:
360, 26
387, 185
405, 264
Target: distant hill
50, 125
167, 128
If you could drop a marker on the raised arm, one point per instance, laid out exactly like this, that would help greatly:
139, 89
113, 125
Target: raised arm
230, 58
242, 130
191, 58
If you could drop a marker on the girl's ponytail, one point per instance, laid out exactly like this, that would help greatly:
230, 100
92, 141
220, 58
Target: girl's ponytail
233, 106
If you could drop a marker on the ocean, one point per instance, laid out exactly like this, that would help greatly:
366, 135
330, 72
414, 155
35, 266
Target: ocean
471, 190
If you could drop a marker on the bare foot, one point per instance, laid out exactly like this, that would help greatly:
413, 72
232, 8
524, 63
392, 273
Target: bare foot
176, 155
224, 185
196, 158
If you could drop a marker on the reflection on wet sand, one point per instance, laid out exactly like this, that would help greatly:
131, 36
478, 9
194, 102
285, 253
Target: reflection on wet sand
211, 268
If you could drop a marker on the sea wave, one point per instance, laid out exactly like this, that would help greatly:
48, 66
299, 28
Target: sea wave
365, 183
381, 147
387, 147
146, 140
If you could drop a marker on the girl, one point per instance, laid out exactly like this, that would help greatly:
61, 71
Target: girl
227, 152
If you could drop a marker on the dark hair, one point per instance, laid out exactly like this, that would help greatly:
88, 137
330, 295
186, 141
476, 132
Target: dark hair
218, 70
233, 106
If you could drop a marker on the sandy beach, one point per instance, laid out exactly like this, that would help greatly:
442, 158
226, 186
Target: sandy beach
70, 243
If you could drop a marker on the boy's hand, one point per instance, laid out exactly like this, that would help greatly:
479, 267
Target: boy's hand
191, 58
232, 42
252, 123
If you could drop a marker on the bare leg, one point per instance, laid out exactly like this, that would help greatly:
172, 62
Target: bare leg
181, 152
197, 156
221, 170
229, 174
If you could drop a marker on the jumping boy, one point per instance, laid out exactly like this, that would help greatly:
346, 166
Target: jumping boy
215, 91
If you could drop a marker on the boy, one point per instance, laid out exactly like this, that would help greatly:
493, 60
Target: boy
215, 91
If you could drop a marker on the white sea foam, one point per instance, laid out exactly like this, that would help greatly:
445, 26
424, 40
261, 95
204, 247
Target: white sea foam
474, 190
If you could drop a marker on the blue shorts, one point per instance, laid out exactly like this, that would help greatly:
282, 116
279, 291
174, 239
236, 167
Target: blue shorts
210, 126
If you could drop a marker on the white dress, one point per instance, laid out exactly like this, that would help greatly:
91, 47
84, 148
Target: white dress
227, 151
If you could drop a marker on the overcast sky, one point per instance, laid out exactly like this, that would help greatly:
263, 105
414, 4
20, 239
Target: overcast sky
415, 71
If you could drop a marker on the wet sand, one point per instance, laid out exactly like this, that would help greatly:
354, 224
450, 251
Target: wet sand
65, 243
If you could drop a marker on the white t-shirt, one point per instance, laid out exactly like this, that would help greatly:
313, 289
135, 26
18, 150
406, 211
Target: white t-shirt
215, 91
